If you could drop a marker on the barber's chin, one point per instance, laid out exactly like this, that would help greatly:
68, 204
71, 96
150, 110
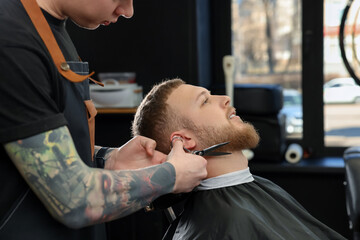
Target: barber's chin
88, 26
93, 27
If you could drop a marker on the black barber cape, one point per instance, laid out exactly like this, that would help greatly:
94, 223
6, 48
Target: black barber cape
246, 207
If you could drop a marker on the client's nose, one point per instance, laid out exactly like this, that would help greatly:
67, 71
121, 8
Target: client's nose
226, 101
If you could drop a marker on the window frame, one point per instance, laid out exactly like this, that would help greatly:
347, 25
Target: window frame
313, 140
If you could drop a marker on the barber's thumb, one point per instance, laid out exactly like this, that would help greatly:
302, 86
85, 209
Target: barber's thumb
177, 143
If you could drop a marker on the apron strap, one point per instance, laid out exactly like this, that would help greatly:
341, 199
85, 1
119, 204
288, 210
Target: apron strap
91, 112
44, 30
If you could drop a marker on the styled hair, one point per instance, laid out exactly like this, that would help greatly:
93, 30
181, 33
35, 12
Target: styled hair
154, 118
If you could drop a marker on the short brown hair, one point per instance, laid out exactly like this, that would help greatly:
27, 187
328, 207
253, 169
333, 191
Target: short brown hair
154, 119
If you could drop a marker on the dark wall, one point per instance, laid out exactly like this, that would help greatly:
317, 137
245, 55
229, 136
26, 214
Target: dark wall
158, 42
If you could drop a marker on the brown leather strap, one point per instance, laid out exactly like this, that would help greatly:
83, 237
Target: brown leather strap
44, 30
91, 111
97, 82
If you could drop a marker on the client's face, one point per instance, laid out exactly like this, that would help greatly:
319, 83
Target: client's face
214, 120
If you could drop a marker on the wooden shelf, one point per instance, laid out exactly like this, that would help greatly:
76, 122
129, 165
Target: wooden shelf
116, 110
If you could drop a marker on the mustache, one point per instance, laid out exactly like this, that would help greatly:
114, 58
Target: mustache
230, 111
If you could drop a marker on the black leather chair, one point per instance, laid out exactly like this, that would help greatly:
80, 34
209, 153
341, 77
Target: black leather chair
261, 104
352, 183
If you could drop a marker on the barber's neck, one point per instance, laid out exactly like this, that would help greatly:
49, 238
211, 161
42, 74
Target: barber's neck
225, 164
52, 7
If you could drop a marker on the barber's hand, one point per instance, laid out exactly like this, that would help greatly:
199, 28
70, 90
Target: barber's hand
190, 169
139, 152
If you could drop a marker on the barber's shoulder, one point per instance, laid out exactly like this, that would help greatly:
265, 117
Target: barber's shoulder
15, 25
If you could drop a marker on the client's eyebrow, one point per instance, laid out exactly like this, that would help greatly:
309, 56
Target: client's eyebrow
202, 93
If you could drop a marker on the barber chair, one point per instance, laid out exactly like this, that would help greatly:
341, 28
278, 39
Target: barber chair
352, 184
260, 104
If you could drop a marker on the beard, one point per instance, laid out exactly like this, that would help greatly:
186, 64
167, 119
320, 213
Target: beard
240, 137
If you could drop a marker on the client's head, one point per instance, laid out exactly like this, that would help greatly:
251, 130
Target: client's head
173, 108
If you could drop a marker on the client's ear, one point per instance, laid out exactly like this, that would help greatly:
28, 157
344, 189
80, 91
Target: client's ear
187, 137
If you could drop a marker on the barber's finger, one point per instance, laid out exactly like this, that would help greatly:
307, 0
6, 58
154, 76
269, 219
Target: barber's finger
148, 144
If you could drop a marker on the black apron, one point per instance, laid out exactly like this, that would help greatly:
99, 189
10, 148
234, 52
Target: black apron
68, 71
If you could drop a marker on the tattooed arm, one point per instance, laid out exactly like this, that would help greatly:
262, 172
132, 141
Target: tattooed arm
77, 195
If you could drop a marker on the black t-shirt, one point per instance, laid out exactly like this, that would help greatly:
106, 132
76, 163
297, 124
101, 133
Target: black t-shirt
33, 99
31, 91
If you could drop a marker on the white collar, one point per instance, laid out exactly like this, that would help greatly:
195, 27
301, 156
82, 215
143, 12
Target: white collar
226, 180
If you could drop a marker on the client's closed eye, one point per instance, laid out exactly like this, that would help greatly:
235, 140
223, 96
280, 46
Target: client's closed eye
206, 100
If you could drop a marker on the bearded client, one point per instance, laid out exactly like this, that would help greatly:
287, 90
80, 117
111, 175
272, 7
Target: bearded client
231, 203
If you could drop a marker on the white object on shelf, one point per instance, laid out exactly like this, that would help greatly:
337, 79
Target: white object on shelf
294, 153
116, 95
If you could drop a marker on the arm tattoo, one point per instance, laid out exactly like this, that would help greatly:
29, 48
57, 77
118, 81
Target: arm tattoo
76, 194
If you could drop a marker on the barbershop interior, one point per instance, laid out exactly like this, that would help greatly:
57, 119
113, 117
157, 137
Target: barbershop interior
290, 67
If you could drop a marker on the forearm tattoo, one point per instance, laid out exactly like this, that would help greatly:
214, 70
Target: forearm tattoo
78, 195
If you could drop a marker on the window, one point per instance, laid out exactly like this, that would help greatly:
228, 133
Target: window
341, 93
266, 42
294, 43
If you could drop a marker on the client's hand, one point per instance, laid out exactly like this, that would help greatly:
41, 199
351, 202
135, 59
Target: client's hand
139, 152
190, 169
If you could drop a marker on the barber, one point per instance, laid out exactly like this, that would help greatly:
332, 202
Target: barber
54, 182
